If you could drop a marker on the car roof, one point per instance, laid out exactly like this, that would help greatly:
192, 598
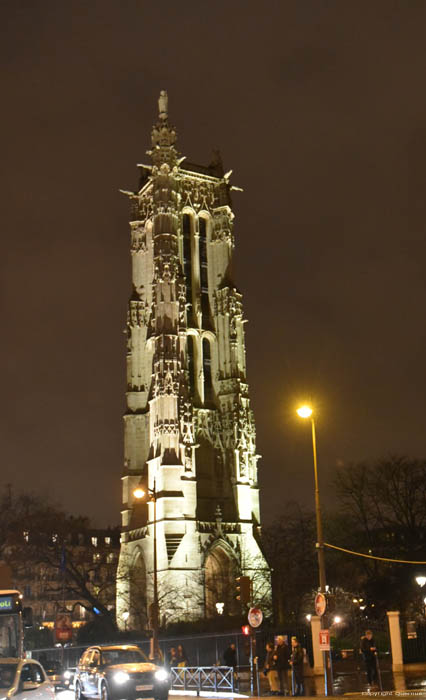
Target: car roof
112, 647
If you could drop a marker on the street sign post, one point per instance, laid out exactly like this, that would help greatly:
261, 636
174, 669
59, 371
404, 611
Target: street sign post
324, 640
63, 627
320, 604
255, 617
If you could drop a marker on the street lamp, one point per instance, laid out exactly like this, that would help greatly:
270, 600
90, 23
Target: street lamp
307, 412
151, 495
421, 580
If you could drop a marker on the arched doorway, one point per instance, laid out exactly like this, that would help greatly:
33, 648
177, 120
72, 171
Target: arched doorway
220, 572
137, 593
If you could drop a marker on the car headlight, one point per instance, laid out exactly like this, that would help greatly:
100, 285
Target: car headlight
67, 674
121, 677
161, 675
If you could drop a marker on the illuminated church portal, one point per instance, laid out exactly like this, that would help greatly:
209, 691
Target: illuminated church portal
189, 431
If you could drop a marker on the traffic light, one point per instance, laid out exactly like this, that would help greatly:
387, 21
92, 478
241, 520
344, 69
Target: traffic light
245, 629
331, 602
243, 586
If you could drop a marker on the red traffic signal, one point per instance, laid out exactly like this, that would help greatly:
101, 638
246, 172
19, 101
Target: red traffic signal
245, 629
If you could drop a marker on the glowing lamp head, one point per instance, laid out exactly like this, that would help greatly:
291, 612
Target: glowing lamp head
304, 411
139, 493
421, 580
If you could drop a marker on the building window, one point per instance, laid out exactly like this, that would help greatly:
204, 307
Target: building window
191, 364
207, 370
108, 540
95, 541
187, 259
110, 558
204, 282
96, 557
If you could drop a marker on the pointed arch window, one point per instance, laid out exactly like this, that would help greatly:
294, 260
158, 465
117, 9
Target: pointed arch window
187, 258
191, 364
204, 281
207, 370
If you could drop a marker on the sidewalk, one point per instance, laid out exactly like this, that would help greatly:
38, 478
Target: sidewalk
415, 693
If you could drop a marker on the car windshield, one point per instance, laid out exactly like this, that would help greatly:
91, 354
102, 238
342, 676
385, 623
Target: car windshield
7, 675
121, 656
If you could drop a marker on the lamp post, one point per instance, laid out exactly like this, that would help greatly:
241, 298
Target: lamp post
151, 495
421, 581
307, 412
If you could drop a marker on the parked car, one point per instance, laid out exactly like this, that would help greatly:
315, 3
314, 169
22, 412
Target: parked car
20, 676
54, 671
68, 677
119, 672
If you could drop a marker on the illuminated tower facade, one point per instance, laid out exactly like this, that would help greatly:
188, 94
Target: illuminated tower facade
188, 429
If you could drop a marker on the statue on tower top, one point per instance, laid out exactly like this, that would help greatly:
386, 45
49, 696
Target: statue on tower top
162, 105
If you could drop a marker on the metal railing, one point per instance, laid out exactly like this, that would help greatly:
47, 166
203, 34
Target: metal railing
213, 678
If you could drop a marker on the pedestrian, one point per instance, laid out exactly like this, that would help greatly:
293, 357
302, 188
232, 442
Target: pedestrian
368, 651
181, 657
230, 659
282, 663
270, 670
296, 661
230, 656
172, 658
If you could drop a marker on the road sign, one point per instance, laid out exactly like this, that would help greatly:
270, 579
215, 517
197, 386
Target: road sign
324, 640
63, 627
320, 604
255, 617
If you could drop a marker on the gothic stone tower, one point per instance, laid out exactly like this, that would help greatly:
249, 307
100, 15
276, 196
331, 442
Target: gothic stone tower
188, 428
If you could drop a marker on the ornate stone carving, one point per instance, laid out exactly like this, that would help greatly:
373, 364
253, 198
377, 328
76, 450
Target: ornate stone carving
223, 225
197, 193
138, 314
208, 424
145, 207
187, 423
166, 427
138, 235
228, 301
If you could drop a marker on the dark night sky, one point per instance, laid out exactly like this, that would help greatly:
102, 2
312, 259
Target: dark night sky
320, 109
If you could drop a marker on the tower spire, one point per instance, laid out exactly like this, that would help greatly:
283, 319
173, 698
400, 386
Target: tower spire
163, 101
163, 136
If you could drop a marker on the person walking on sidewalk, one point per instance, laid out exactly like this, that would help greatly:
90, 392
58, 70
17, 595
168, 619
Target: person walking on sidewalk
296, 661
282, 657
270, 670
368, 651
230, 659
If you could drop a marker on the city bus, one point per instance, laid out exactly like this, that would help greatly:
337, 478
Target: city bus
11, 624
